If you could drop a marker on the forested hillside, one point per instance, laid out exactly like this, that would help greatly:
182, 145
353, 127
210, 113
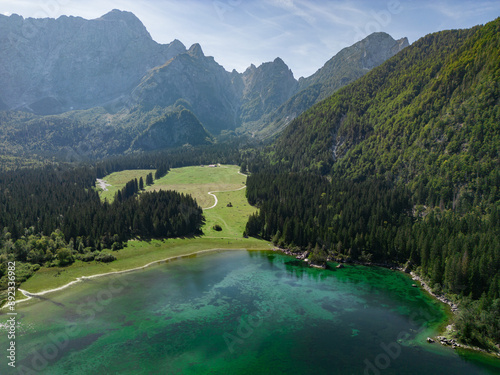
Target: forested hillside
427, 117
345, 67
52, 215
94, 133
402, 166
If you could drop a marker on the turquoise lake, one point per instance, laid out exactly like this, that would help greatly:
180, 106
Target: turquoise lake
237, 312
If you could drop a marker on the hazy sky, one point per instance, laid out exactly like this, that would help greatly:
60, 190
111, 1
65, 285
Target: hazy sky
305, 34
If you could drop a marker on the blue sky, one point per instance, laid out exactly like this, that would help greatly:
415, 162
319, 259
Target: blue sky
305, 34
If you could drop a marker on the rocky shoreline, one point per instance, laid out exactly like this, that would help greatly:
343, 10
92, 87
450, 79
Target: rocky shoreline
440, 297
443, 340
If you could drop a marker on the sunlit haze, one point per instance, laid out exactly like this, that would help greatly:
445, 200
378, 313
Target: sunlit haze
305, 34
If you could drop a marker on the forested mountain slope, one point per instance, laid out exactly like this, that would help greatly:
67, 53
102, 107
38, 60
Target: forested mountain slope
401, 166
94, 133
345, 67
427, 117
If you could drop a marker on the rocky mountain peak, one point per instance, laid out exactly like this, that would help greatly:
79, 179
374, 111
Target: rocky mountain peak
279, 61
196, 51
265, 88
126, 21
365, 55
117, 14
73, 63
346, 66
402, 43
176, 43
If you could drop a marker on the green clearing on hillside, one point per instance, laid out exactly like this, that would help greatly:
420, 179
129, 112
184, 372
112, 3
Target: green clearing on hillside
232, 219
118, 180
225, 180
197, 181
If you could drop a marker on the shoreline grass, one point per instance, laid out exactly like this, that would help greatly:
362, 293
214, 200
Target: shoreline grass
136, 255
197, 181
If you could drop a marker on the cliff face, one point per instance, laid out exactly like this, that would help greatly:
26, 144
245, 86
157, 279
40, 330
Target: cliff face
54, 65
108, 73
353, 61
221, 100
196, 79
266, 88
345, 67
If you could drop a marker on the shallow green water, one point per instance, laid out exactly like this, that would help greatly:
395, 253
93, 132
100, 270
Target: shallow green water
236, 313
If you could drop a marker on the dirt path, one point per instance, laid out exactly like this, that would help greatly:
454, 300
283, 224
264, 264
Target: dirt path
30, 295
220, 191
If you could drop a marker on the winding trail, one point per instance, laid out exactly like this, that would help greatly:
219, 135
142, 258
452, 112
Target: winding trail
223, 191
220, 191
104, 185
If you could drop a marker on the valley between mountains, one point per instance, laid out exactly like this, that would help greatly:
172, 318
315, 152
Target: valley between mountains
113, 148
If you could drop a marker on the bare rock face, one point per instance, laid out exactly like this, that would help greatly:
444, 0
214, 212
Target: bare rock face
197, 79
266, 88
345, 67
55, 65
219, 99
363, 56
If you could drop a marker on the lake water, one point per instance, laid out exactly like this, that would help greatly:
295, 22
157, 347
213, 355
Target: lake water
237, 312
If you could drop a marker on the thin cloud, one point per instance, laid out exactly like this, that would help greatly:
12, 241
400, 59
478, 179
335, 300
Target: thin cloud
304, 33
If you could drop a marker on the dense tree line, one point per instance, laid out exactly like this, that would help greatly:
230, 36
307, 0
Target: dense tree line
48, 199
52, 215
409, 156
157, 214
163, 161
60, 198
376, 221
38, 203
42, 197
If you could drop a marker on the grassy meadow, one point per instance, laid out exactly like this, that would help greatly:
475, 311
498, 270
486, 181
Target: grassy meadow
118, 180
197, 181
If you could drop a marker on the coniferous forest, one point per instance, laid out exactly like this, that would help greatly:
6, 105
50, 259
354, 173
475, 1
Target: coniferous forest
52, 215
401, 167
375, 221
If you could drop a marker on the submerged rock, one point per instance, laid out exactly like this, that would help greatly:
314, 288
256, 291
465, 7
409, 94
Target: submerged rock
322, 266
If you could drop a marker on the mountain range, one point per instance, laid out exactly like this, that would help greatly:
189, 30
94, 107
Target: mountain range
109, 80
388, 153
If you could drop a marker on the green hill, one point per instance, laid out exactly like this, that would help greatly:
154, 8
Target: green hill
427, 117
400, 167
95, 133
